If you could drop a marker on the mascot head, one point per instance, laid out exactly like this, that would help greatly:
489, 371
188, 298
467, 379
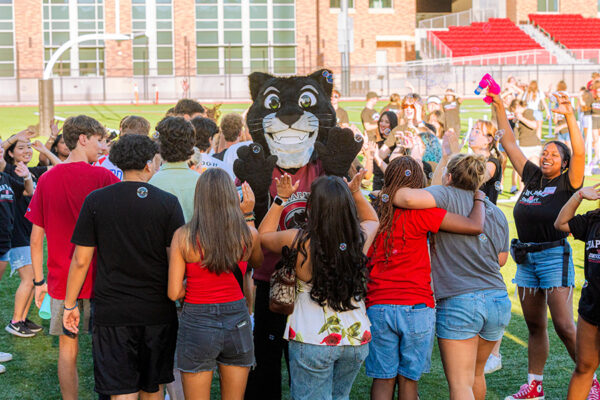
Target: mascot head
289, 114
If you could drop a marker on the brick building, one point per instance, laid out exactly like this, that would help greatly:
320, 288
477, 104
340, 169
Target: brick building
223, 39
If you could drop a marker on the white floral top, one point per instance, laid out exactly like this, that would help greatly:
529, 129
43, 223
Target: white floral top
313, 324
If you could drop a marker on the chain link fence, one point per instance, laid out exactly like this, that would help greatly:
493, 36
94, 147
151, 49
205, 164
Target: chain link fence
118, 86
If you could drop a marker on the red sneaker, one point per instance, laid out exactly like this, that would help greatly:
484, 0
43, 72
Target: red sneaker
532, 391
595, 391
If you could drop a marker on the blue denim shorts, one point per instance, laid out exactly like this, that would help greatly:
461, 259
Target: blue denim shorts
214, 333
547, 269
324, 372
401, 341
19, 257
485, 313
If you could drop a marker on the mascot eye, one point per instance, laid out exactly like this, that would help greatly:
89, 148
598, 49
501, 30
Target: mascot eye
307, 99
272, 102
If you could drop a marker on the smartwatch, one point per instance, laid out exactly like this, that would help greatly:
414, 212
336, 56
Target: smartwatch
278, 200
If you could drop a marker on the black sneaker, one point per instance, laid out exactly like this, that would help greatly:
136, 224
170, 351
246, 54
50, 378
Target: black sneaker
32, 326
19, 329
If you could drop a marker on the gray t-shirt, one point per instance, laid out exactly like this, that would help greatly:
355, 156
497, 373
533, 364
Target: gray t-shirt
462, 263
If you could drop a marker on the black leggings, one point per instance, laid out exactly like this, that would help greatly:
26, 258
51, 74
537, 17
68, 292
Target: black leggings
264, 382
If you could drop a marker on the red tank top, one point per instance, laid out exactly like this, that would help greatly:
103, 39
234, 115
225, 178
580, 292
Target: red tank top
205, 287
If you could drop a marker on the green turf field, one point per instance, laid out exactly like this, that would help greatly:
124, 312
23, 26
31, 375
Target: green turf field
32, 373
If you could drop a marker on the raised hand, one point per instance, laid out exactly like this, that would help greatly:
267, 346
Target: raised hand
247, 203
354, 184
285, 189
54, 129
564, 104
26, 134
341, 149
590, 192
450, 145
22, 170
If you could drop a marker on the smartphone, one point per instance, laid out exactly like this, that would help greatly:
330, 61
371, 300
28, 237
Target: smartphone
70, 334
239, 189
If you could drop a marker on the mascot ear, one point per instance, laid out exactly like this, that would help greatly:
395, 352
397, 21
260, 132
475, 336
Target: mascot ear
325, 79
256, 81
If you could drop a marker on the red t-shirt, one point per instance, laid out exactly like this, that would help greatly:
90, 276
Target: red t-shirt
205, 287
406, 277
294, 212
55, 207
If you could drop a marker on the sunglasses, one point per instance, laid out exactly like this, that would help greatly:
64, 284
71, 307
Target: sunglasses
408, 106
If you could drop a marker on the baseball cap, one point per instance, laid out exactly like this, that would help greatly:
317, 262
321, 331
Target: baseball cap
434, 99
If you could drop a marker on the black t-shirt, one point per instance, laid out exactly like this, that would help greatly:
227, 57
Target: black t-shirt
539, 204
493, 186
22, 226
586, 228
9, 186
131, 224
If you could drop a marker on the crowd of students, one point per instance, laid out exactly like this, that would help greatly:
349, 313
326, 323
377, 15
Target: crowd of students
151, 248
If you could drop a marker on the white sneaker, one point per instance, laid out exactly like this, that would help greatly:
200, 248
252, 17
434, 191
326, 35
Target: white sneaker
4, 357
2, 369
493, 364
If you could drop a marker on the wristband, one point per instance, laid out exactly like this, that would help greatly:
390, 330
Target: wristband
70, 309
249, 214
579, 195
40, 283
250, 219
481, 200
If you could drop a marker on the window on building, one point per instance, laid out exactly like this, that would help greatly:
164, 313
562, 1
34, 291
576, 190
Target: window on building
380, 4
63, 17
338, 3
548, 5
7, 39
152, 53
227, 45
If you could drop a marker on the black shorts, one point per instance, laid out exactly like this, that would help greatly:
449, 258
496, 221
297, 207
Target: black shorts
128, 359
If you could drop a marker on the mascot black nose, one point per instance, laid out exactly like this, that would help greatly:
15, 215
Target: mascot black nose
289, 118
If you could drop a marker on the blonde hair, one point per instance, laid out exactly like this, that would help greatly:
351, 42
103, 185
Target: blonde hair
217, 230
134, 124
468, 171
561, 86
532, 91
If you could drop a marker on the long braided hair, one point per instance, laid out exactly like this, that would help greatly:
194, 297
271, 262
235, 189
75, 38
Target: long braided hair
401, 172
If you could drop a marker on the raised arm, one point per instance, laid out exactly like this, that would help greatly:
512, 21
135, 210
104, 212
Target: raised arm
54, 132
577, 163
471, 225
270, 238
43, 150
255, 257
568, 211
450, 146
516, 156
369, 222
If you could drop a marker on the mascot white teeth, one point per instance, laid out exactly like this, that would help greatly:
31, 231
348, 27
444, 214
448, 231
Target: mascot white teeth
292, 123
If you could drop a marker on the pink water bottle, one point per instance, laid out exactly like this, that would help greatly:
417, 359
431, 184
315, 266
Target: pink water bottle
486, 81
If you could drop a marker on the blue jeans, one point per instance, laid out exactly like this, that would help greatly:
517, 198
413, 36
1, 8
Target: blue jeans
324, 372
401, 342
547, 269
485, 313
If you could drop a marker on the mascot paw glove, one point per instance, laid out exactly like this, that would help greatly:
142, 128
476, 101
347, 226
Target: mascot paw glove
341, 149
252, 167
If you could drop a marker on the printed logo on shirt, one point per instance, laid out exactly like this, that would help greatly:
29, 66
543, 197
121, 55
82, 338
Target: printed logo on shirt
533, 198
6, 193
375, 116
294, 212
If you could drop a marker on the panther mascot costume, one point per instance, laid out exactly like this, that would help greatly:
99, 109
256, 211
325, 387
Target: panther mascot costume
293, 128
